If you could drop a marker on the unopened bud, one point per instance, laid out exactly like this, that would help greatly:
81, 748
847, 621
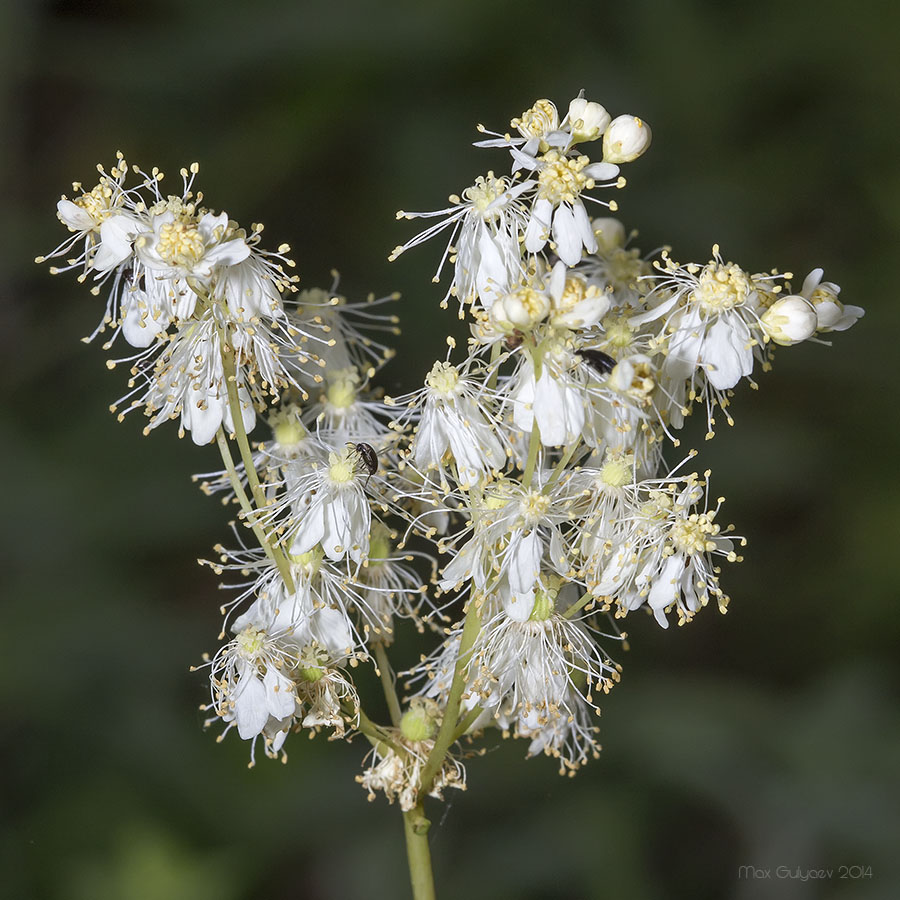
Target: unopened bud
626, 139
609, 232
588, 120
419, 722
790, 320
521, 310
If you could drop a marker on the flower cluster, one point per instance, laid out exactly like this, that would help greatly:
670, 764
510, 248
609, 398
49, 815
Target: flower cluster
543, 447
190, 291
518, 505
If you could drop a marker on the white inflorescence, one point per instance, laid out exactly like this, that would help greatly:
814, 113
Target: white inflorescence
530, 472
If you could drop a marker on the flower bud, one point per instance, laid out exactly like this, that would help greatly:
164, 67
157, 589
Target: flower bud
521, 310
626, 138
288, 431
587, 120
609, 232
419, 722
790, 320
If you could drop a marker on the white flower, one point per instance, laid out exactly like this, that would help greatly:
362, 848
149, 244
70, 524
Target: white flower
520, 309
664, 559
345, 413
831, 314
487, 222
455, 418
536, 124
181, 245
556, 399
610, 233
576, 304
145, 309
517, 533
558, 209
540, 674
252, 287
618, 270
711, 321
188, 380
248, 686
314, 612
336, 514
85, 217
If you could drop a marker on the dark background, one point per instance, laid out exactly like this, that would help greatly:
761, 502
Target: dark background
768, 737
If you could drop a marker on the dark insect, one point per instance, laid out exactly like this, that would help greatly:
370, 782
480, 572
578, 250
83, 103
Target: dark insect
514, 340
368, 457
598, 360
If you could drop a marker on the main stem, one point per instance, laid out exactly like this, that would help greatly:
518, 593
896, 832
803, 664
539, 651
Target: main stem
415, 826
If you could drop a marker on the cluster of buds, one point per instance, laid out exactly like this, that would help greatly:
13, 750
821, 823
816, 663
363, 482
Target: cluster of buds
518, 506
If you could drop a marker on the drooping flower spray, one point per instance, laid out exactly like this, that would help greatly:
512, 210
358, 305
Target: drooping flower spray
514, 508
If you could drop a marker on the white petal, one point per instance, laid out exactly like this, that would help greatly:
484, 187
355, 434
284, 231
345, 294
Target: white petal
330, 628
74, 216
666, 586
227, 254
725, 363
310, 530
566, 234
202, 416
524, 557
538, 229
250, 709
116, 236
279, 693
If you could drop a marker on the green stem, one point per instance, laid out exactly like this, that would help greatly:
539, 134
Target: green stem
578, 605
466, 722
418, 853
496, 350
242, 498
387, 683
237, 419
558, 468
533, 446
446, 735
373, 732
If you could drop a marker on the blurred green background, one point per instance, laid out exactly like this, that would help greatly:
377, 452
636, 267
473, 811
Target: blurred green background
769, 737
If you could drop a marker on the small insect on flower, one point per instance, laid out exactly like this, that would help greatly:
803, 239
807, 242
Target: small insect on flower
368, 457
598, 360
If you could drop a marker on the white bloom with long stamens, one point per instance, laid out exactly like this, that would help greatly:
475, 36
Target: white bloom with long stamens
486, 222
516, 535
576, 303
555, 399
337, 515
558, 210
711, 320
188, 381
248, 686
182, 245
541, 674
664, 559
454, 418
